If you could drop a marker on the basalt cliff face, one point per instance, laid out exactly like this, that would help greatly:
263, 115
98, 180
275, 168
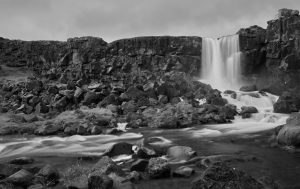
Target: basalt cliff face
91, 58
272, 58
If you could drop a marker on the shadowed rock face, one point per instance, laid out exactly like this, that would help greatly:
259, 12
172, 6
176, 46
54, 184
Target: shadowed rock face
274, 54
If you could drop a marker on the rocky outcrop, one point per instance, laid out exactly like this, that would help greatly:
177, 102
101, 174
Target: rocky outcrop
289, 134
272, 56
93, 58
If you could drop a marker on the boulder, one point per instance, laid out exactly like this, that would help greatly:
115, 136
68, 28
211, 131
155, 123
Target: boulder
22, 161
289, 134
159, 168
133, 93
110, 99
139, 165
41, 108
183, 171
34, 86
90, 97
21, 178
8, 169
106, 166
219, 175
61, 104
119, 149
99, 181
146, 153
228, 111
129, 107
248, 109
287, 103
48, 128
180, 153
248, 88
53, 89
166, 119
48, 175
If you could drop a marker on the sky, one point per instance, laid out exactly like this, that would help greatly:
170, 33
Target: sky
116, 19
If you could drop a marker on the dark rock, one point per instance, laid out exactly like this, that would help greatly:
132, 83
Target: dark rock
22, 161
183, 171
41, 108
61, 104
110, 99
34, 86
248, 88
48, 128
129, 107
91, 97
163, 99
133, 93
21, 178
289, 134
7, 170
106, 166
48, 175
180, 153
96, 130
158, 168
99, 181
146, 153
139, 165
248, 109
246, 115
228, 111
119, 149
287, 103
220, 176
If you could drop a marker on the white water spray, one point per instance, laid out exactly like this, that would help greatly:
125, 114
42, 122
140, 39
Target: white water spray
221, 62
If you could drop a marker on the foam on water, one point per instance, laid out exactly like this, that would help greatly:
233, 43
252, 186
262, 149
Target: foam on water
58, 146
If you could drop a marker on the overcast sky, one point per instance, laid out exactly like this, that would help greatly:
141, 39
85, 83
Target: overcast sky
115, 19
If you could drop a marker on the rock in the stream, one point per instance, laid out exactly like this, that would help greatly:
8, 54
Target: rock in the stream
180, 153
139, 165
248, 88
183, 171
119, 149
159, 168
247, 111
219, 176
22, 161
146, 153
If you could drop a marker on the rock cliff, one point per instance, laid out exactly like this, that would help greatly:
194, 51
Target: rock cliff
272, 58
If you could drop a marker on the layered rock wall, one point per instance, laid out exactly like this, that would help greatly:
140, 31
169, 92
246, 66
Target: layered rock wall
91, 58
274, 54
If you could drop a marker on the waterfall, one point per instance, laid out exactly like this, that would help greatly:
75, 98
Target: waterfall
221, 62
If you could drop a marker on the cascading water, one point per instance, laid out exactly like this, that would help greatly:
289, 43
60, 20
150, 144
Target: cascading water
221, 62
